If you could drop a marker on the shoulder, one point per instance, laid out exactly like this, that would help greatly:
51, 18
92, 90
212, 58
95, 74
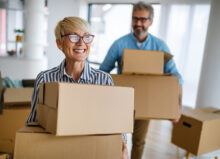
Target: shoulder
156, 39
122, 39
101, 77
160, 44
125, 37
47, 75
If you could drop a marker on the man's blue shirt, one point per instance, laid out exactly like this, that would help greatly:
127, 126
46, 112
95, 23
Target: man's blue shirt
130, 42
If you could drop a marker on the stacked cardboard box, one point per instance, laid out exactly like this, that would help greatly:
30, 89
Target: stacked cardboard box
15, 106
198, 130
84, 121
156, 93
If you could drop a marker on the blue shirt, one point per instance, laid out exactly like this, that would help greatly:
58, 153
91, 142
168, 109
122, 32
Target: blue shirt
129, 41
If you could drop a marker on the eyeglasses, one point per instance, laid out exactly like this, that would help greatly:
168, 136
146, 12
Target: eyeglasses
76, 38
142, 19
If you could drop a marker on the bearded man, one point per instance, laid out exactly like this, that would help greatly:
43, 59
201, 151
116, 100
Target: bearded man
139, 38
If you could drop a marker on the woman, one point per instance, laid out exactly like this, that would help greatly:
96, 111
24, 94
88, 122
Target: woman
73, 38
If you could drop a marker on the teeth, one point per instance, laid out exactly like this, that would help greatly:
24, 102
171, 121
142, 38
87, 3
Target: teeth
80, 51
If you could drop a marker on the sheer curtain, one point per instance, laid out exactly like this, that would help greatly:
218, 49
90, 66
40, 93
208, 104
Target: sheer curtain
183, 27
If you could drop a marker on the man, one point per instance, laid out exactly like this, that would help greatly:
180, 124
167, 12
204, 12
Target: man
142, 19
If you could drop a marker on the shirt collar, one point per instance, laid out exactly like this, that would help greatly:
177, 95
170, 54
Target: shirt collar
84, 76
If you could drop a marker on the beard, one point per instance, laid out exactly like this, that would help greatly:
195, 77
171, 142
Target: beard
139, 30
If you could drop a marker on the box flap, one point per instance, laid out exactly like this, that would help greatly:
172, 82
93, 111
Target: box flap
47, 117
17, 96
203, 114
31, 129
167, 57
41, 93
149, 74
51, 94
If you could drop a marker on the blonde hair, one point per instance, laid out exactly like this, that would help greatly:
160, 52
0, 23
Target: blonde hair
70, 23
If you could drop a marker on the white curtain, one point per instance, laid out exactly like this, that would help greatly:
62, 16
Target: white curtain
183, 27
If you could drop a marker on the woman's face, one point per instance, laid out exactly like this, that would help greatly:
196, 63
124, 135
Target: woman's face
74, 51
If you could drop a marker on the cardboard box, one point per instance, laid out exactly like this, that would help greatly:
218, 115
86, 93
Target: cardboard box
11, 120
144, 61
156, 97
34, 143
198, 130
81, 109
18, 96
5, 156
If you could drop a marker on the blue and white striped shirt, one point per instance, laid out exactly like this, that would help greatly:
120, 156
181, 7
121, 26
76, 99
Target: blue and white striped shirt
58, 74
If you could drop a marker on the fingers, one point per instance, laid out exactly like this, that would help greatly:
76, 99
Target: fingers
124, 150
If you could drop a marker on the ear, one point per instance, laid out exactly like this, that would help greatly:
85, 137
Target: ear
59, 44
151, 22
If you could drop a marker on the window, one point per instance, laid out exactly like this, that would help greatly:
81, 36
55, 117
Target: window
11, 25
2, 31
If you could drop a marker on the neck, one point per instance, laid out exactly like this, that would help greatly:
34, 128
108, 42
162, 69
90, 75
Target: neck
74, 69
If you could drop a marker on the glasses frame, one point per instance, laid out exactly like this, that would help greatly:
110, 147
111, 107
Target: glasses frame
142, 19
80, 37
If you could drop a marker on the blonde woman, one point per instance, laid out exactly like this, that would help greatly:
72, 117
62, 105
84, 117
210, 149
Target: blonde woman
74, 39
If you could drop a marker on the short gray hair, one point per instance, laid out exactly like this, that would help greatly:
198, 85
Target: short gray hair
143, 6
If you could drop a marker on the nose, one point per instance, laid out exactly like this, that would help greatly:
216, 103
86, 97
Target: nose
80, 42
138, 22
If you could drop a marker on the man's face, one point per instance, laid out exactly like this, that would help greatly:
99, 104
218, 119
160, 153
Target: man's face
141, 22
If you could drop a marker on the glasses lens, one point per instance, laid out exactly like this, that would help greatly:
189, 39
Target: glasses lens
142, 19
74, 38
87, 38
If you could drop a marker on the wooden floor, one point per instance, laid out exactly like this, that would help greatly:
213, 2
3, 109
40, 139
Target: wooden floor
158, 143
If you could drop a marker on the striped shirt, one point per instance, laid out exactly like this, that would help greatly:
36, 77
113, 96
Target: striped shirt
58, 74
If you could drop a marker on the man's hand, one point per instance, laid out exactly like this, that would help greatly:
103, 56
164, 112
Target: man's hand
180, 105
124, 150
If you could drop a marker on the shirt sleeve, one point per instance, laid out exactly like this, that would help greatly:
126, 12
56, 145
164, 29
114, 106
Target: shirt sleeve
170, 66
109, 62
35, 97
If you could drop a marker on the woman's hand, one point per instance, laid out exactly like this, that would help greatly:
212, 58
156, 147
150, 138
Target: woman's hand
124, 150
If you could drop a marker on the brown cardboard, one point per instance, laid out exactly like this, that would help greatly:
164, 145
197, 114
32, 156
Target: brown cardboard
144, 61
10, 121
0, 82
17, 96
81, 109
198, 130
4, 156
156, 97
34, 143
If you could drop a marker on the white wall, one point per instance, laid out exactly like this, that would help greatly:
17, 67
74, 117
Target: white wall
21, 68
58, 9
209, 87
